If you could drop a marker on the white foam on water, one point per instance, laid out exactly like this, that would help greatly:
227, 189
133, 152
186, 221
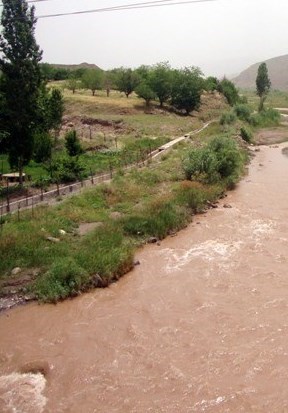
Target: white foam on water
22, 393
260, 227
208, 251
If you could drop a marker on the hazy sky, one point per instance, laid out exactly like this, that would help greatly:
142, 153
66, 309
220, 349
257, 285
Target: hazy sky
221, 37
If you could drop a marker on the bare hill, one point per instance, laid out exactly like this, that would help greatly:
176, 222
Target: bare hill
278, 73
75, 67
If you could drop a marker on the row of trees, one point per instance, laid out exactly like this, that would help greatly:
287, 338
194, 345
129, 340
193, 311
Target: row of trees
182, 88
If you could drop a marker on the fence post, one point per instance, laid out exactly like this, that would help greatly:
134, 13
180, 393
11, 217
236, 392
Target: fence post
32, 208
18, 212
58, 192
111, 169
41, 196
92, 178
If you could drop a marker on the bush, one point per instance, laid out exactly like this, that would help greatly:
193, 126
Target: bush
246, 134
72, 144
220, 159
64, 169
42, 182
266, 118
42, 147
65, 278
243, 112
228, 118
192, 195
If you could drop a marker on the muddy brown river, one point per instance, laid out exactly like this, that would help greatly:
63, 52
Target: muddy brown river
200, 326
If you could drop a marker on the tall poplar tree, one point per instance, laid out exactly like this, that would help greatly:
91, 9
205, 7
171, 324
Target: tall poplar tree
20, 81
263, 84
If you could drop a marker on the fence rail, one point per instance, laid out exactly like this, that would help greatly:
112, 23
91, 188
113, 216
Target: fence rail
31, 201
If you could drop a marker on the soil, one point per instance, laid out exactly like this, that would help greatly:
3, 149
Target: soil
271, 136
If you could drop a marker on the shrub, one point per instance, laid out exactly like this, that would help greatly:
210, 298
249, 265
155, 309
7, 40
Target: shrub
219, 159
228, 118
192, 195
72, 144
243, 112
65, 278
42, 147
42, 182
266, 118
66, 169
246, 134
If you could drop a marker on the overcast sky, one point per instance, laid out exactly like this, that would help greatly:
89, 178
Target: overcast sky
221, 37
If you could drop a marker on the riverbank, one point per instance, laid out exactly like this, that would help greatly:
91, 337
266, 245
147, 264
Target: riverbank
89, 240
201, 324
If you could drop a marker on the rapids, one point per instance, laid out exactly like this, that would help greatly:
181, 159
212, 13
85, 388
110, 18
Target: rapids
200, 326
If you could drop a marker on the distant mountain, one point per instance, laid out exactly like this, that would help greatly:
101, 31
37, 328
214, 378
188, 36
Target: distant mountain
75, 67
278, 73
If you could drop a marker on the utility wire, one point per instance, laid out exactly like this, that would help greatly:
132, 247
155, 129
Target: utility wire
126, 7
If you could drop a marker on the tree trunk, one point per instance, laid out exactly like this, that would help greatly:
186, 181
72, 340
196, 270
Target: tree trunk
161, 103
93, 92
261, 104
108, 92
20, 167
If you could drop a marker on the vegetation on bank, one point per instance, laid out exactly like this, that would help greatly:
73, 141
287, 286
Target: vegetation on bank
150, 202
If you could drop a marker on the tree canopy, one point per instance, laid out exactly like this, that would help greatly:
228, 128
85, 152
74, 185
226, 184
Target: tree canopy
21, 79
187, 89
263, 84
93, 79
27, 108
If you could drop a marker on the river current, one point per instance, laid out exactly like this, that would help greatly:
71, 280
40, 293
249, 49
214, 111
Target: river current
201, 325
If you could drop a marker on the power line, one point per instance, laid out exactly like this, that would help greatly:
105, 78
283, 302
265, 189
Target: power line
144, 5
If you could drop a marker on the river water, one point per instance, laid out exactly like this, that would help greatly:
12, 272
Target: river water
200, 326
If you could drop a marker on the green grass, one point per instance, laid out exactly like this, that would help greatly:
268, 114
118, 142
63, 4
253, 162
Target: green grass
275, 99
150, 202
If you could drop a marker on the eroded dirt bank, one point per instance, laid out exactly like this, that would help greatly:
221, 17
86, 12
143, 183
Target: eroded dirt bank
200, 326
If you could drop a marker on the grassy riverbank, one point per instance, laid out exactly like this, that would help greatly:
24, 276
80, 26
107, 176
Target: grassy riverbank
58, 260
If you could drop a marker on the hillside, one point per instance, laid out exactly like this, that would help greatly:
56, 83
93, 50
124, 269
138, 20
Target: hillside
75, 67
278, 73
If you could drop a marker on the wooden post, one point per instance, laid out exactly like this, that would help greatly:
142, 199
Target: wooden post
111, 169
8, 199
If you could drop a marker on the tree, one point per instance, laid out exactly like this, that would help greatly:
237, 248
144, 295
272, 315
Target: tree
228, 89
50, 109
161, 81
187, 89
93, 79
43, 147
72, 144
145, 92
109, 81
263, 84
72, 84
20, 81
126, 80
